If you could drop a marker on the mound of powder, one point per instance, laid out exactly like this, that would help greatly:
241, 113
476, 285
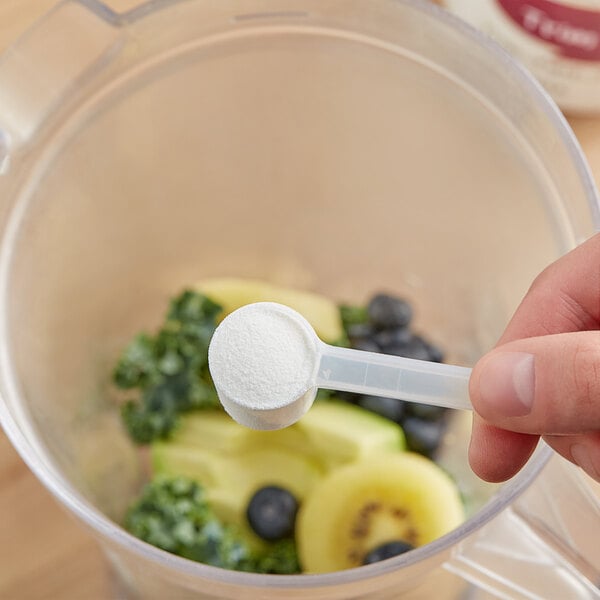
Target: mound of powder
263, 360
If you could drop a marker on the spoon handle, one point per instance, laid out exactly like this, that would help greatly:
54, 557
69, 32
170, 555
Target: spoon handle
348, 370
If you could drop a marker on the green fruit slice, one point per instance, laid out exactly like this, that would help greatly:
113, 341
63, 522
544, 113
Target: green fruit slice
210, 469
233, 462
291, 438
331, 433
384, 498
272, 465
230, 478
340, 432
233, 293
216, 430
212, 430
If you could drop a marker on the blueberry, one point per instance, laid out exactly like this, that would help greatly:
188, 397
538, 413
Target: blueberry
389, 338
425, 411
386, 551
386, 407
387, 311
360, 331
271, 513
414, 348
435, 353
423, 436
366, 345
350, 397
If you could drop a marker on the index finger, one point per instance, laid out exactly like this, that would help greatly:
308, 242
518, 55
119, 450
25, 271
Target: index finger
564, 298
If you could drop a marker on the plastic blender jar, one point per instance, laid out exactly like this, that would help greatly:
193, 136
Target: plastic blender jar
142, 151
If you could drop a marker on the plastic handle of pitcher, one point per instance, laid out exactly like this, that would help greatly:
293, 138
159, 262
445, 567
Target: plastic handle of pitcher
544, 546
39, 70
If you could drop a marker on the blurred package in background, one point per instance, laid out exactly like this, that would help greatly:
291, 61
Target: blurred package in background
559, 42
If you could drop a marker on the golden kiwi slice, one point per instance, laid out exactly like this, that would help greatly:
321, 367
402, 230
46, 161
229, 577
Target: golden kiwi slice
380, 499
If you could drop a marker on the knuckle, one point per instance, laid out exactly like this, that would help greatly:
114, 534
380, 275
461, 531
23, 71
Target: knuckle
543, 279
586, 372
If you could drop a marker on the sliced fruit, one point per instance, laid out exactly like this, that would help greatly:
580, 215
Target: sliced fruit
272, 465
385, 498
261, 468
216, 430
330, 434
340, 432
233, 477
211, 469
232, 293
210, 429
292, 438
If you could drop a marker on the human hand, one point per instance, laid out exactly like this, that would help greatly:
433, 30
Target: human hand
543, 377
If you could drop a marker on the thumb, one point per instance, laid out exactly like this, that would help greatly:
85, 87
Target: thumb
541, 385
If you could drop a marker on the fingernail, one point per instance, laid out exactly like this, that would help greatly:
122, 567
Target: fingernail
582, 457
506, 384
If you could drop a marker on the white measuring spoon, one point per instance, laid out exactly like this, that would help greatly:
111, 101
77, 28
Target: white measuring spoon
267, 363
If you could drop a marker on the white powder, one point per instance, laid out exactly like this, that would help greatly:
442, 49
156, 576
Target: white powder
263, 359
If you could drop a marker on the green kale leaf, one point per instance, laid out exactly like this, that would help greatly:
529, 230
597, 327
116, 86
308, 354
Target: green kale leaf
174, 515
169, 369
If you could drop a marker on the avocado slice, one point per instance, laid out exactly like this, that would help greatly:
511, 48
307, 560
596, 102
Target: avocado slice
211, 469
212, 430
233, 462
231, 478
233, 293
340, 432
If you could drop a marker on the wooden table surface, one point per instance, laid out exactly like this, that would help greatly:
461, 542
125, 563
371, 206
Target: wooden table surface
44, 553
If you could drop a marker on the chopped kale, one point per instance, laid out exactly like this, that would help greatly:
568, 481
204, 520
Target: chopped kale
281, 558
173, 514
169, 369
353, 315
